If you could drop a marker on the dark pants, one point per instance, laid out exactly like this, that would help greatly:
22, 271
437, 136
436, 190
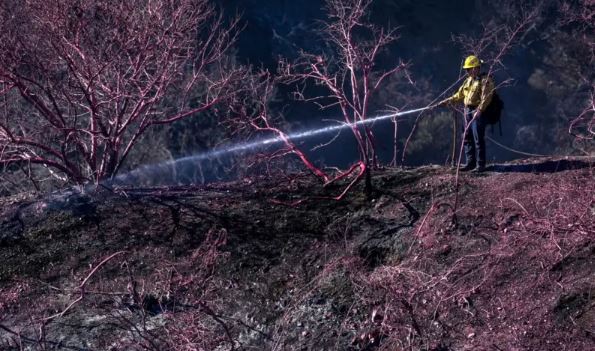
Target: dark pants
474, 139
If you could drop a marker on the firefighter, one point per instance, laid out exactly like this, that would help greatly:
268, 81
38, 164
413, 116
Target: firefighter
476, 94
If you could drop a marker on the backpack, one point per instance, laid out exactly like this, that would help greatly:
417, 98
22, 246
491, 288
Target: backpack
493, 112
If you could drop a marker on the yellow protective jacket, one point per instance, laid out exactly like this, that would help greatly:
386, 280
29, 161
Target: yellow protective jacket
475, 92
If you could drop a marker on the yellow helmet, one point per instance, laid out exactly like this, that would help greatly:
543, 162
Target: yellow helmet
471, 62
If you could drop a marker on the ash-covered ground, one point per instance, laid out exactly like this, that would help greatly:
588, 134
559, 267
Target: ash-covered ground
236, 266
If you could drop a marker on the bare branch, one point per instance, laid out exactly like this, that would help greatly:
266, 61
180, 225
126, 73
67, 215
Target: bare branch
87, 78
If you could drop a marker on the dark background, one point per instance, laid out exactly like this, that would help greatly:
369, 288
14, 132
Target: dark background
534, 120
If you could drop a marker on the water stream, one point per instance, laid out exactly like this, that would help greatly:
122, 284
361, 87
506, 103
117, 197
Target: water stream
131, 176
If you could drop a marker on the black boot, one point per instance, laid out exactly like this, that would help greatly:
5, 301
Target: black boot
467, 167
479, 169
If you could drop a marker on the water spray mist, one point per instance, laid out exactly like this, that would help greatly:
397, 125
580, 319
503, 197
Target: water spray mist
264, 142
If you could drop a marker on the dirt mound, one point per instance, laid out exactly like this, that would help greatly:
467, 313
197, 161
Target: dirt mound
229, 266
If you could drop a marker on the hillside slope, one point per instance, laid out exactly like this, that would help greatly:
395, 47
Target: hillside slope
234, 266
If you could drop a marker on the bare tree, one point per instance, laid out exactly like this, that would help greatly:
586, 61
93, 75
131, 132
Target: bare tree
82, 80
348, 74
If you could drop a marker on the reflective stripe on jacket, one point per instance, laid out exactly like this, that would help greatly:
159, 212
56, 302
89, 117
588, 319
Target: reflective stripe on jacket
475, 92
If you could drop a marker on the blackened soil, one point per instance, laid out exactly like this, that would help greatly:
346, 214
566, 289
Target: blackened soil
277, 265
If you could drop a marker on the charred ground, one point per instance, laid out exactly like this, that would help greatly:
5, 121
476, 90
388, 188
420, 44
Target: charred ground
234, 266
